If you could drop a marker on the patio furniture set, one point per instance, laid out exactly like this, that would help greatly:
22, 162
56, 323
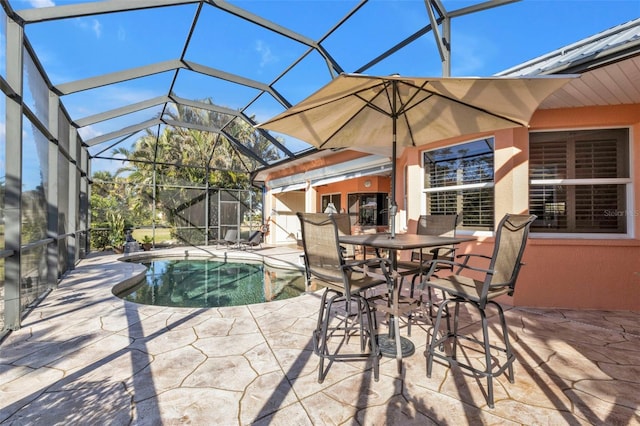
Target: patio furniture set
356, 289
231, 239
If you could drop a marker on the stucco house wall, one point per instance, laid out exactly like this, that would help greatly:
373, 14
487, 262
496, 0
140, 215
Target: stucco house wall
585, 271
559, 272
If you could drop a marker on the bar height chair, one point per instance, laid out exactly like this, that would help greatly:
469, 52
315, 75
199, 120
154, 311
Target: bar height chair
442, 225
500, 279
344, 308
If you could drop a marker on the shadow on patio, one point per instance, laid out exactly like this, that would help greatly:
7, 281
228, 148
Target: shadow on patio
86, 357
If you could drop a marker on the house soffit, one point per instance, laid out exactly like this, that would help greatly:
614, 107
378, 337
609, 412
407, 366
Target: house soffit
364, 166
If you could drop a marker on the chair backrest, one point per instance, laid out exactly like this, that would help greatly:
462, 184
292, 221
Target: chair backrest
231, 235
343, 222
323, 257
255, 238
511, 239
443, 225
344, 228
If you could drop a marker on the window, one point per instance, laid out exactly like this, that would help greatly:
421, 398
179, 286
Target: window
369, 208
579, 181
330, 198
459, 179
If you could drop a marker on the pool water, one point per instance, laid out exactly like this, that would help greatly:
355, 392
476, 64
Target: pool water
198, 283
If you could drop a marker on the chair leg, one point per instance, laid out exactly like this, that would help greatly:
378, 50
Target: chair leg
375, 352
410, 314
320, 334
507, 344
368, 333
434, 337
489, 371
363, 339
320, 323
364, 323
430, 294
447, 313
487, 357
456, 321
411, 293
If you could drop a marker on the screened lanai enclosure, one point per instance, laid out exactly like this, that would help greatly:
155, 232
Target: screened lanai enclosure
139, 115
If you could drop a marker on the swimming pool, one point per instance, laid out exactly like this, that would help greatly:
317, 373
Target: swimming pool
198, 283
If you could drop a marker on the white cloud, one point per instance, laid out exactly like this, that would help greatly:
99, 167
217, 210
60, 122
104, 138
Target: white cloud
266, 55
92, 25
88, 132
470, 54
97, 28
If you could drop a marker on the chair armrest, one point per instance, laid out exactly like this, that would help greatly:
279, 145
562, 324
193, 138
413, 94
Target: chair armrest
372, 261
434, 265
435, 253
368, 266
438, 249
470, 255
442, 251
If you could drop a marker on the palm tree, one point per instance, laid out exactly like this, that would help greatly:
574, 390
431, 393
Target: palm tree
173, 166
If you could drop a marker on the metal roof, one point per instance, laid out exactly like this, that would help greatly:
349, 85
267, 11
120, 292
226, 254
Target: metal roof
609, 64
613, 44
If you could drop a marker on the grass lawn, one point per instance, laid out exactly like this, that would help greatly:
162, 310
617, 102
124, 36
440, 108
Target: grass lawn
161, 234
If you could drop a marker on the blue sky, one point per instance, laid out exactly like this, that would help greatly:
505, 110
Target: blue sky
483, 44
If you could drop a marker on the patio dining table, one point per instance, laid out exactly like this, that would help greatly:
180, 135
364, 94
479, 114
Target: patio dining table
392, 344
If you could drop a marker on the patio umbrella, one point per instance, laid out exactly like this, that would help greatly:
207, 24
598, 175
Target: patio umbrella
369, 112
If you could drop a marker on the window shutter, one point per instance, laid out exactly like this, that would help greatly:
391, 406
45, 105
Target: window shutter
596, 159
580, 207
548, 160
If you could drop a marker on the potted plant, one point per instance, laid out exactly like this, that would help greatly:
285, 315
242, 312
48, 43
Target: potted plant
147, 243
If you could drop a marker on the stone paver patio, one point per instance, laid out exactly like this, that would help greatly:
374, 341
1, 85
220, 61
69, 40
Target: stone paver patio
85, 356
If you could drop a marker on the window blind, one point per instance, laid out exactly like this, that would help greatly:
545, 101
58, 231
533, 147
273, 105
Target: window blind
460, 179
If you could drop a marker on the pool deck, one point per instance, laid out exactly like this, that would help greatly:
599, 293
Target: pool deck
86, 357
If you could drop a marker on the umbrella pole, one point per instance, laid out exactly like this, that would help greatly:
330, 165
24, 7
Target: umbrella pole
393, 207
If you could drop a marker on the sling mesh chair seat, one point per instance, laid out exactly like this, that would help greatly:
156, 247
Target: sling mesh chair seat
443, 225
344, 309
499, 279
344, 228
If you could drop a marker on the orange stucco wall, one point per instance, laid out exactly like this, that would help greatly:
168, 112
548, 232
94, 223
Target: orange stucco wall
565, 273
344, 188
587, 273
575, 274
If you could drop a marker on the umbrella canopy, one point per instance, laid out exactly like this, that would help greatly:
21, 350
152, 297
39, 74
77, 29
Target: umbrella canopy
360, 111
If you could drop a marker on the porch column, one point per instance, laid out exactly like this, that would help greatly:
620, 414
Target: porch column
311, 200
512, 171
